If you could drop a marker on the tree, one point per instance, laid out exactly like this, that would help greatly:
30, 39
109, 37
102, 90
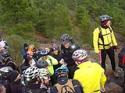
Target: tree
16, 11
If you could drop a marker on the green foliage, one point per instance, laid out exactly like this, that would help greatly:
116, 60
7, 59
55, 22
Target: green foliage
15, 43
54, 20
25, 30
58, 22
16, 11
54, 17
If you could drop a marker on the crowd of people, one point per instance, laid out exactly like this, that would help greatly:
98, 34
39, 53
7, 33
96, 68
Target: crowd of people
63, 68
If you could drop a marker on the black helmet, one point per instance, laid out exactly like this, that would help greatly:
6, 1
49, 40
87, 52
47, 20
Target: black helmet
41, 64
105, 17
65, 38
74, 47
41, 53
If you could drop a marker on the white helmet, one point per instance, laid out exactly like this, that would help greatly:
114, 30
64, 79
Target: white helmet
79, 55
6, 69
2, 44
31, 73
44, 73
105, 17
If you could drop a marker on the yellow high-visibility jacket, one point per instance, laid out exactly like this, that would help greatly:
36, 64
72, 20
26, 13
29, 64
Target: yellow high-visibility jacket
51, 61
108, 37
91, 76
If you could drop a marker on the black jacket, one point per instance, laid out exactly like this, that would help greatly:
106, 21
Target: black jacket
67, 53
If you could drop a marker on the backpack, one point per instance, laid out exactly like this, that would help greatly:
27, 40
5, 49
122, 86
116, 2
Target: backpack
72, 86
121, 57
35, 88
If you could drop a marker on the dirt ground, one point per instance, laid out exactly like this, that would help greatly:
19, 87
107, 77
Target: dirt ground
115, 85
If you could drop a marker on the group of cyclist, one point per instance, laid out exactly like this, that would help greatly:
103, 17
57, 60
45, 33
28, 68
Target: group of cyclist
63, 68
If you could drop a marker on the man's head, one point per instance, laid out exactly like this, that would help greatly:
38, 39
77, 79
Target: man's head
105, 20
66, 40
62, 74
80, 56
41, 64
30, 51
44, 75
55, 49
31, 74
62, 71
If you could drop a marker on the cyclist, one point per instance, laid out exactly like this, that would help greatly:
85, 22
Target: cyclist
104, 42
67, 48
89, 74
64, 84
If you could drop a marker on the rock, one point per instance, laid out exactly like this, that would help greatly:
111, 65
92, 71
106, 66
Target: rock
113, 88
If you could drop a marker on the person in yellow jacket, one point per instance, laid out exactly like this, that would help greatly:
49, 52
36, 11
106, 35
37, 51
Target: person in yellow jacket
51, 61
89, 74
104, 42
44, 55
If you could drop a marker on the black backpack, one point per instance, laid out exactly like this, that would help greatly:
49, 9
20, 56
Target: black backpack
77, 88
121, 57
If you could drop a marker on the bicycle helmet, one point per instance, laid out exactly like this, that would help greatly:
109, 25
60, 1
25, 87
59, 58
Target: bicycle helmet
44, 73
105, 17
65, 38
2, 44
61, 70
6, 69
41, 64
31, 73
79, 55
41, 52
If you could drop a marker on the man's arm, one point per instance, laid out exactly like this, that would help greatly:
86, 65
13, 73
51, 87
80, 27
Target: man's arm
95, 40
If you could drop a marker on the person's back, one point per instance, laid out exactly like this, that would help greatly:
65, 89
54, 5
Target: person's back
71, 86
35, 88
90, 74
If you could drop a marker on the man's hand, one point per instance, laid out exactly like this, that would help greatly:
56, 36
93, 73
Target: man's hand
103, 90
62, 61
115, 48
